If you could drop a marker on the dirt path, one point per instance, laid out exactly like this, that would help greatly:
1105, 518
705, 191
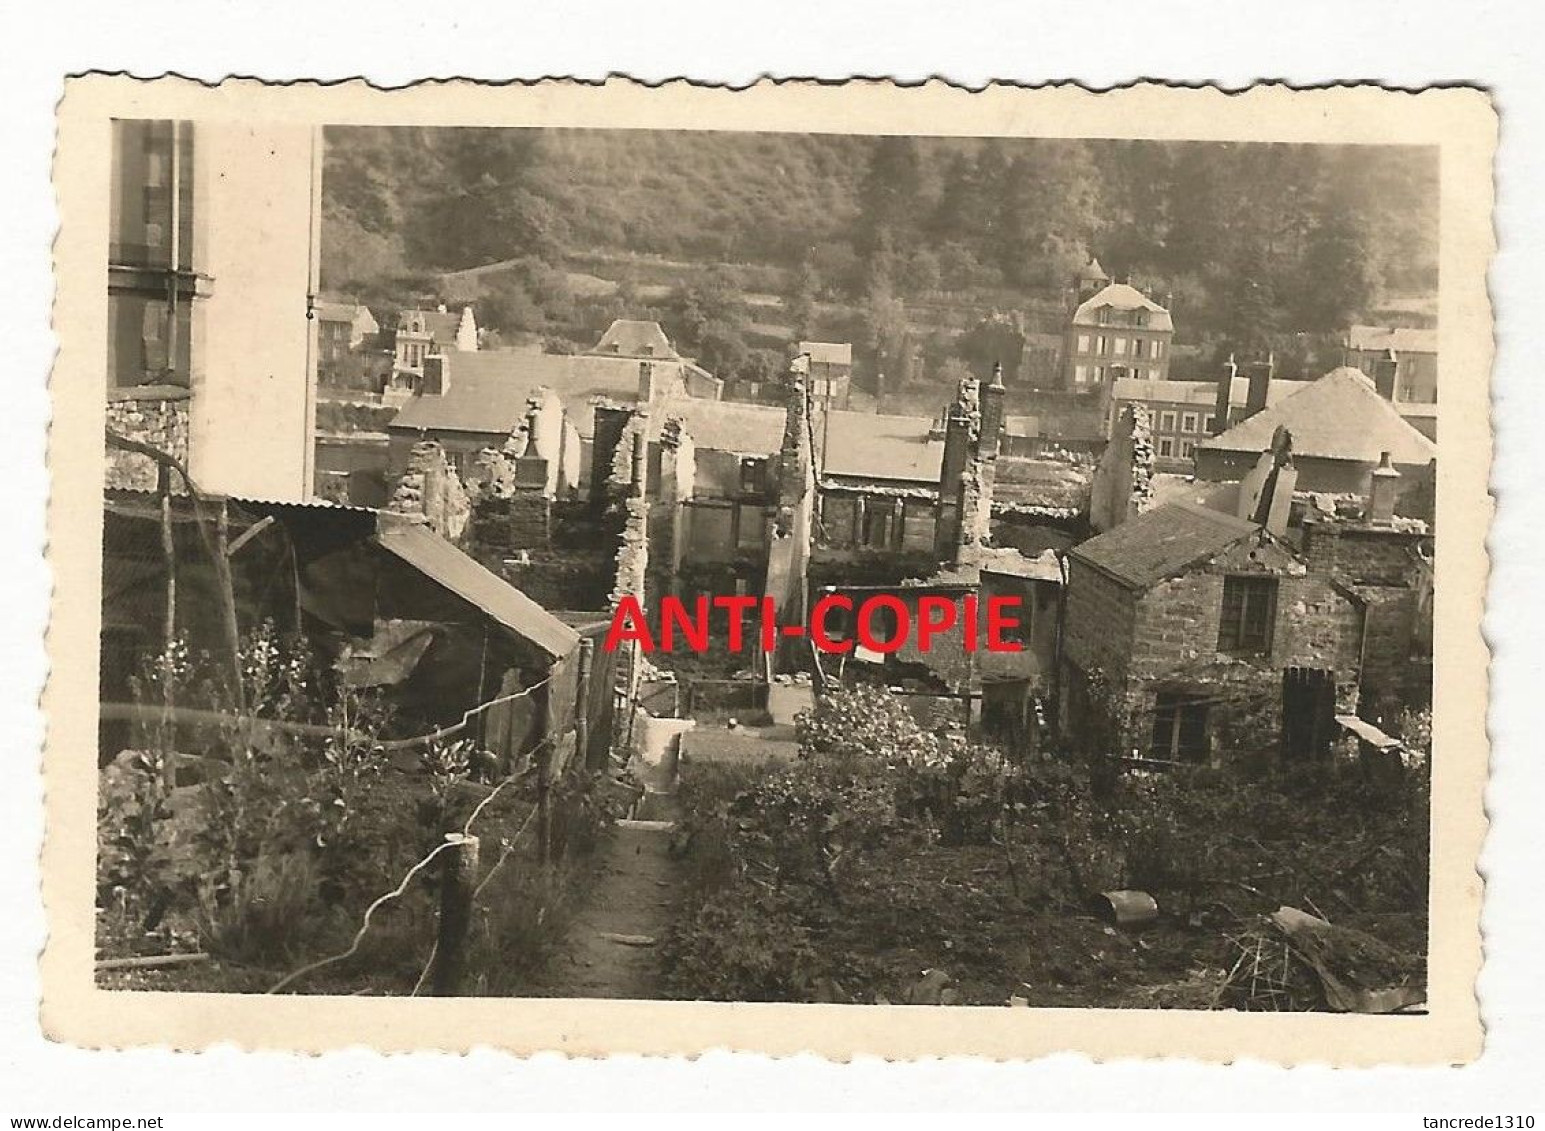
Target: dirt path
614, 949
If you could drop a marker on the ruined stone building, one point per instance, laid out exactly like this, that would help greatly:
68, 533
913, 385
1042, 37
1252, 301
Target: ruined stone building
211, 353
1193, 636
469, 402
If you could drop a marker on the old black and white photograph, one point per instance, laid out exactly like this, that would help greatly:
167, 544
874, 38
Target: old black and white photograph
768, 566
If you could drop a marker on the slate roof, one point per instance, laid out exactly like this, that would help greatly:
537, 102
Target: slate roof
1340, 416
443, 563
630, 337
1162, 543
1202, 393
866, 445
828, 353
488, 390
723, 426
440, 324
1400, 340
1122, 296
328, 311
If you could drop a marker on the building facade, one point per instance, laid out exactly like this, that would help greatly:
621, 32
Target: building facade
1193, 636
1117, 331
212, 273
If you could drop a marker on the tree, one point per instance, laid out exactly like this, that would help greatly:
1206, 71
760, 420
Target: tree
1338, 276
887, 199
721, 349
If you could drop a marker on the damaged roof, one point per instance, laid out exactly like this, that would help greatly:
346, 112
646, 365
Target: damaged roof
1162, 543
723, 426
1032, 484
1340, 416
447, 566
867, 445
487, 391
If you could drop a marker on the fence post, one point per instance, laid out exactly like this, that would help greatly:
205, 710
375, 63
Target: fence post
458, 878
582, 704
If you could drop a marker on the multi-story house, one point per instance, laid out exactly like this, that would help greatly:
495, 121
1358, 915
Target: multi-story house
831, 372
343, 329
1116, 331
1404, 366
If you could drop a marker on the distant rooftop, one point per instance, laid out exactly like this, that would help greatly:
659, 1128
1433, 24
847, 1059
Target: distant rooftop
828, 353
439, 324
1196, 392
1398, 340
1340, 416
1122, 296
487, 391
866, 445
628, 337
723, 426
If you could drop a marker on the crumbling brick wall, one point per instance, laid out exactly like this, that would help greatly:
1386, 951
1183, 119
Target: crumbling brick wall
160, 422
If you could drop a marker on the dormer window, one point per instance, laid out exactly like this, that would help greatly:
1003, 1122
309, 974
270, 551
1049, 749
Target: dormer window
648, 350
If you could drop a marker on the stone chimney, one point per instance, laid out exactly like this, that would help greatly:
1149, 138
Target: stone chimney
1266, 492
645, 382
611, 420
972, 433
991, 436
1259, 373
466, 331
961, 421
1384, 377
437, 376
1225, 401
1383, 486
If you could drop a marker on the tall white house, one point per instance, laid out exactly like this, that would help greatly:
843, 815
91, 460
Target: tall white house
212, 280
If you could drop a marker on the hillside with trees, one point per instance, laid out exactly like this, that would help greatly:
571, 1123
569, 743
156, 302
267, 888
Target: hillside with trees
919, 250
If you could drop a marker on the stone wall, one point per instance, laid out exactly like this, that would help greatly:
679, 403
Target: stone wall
1166, 639
430, 488
162, 423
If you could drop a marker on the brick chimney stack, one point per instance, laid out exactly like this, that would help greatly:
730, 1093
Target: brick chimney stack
991, 434
1259, 373
1384, 377
1381, 492
961, 419
1225, 402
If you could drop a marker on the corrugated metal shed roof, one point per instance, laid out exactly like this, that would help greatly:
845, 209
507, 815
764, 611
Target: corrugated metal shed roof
1340, 416
1162, 543
443, 563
